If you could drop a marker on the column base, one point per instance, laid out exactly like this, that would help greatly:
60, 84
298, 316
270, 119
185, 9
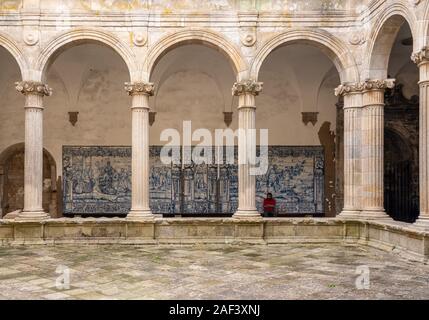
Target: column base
247, 214
32, 216
348, 214
140, 215
422, 222
375, 215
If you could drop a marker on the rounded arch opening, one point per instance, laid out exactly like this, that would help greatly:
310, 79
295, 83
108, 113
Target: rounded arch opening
298, 107
196, 37
12, 181
382, 44
74, 38
331, 46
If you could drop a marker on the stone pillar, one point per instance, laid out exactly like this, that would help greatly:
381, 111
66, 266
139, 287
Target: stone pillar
140, 93
373, 148
33, 164
421, 58
246, 92
352, 94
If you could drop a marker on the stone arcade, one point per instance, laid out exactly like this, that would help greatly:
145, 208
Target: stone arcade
342, 87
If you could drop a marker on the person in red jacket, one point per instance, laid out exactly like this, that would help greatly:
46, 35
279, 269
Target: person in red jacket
269, 205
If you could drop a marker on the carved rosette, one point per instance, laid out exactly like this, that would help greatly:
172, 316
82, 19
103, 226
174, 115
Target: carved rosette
247, 87
420, 56
360, 87
140, 88
33, 88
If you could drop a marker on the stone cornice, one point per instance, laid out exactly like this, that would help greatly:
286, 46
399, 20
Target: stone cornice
420, 56
247, 87
368, 85
140, 88
33, 87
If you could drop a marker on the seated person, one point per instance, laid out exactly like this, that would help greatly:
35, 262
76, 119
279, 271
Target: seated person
269, 205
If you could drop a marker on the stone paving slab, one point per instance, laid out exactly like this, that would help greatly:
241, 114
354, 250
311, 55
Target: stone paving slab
209, 272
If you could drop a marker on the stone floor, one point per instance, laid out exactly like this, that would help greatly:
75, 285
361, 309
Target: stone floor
209, 272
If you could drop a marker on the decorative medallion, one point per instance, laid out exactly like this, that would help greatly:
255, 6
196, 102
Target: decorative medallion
30, 37
139, 39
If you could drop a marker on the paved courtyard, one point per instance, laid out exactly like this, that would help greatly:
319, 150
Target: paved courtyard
209, 272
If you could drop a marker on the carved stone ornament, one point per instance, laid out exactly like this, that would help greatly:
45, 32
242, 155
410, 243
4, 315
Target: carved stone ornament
30, 37
247, 87
135, 88
357, 38
33, 87
415, 2
248, 39
139, 39
368, 85
420, 56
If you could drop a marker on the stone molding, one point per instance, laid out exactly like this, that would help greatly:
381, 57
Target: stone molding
140, 88
247, 87
420, 56
33, 88
360, 87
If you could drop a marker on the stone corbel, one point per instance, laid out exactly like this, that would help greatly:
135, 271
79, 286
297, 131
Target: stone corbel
227, 118
309, 117
152, 115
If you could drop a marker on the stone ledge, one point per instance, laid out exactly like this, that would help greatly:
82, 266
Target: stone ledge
404, 239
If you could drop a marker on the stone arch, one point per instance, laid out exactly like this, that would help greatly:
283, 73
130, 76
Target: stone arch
16, 53
49, 163
382, 37
72, 38
195, 36
424, 40
333, 47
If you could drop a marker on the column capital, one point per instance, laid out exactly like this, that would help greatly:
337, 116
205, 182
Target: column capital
33, 88
140, 88
367, 85
421, 56
247, 87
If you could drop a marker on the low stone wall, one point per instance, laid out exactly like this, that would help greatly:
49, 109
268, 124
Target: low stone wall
404, 239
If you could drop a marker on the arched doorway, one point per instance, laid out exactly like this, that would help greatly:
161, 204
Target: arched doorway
12, 181
391, 58
401, 194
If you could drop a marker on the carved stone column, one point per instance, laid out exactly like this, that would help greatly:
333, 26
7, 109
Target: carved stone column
33, 164
421, 58
140, 93
352, 94
246, 92
373, 148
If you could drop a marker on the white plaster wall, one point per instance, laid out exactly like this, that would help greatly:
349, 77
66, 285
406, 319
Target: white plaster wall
293, 77
11, 102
